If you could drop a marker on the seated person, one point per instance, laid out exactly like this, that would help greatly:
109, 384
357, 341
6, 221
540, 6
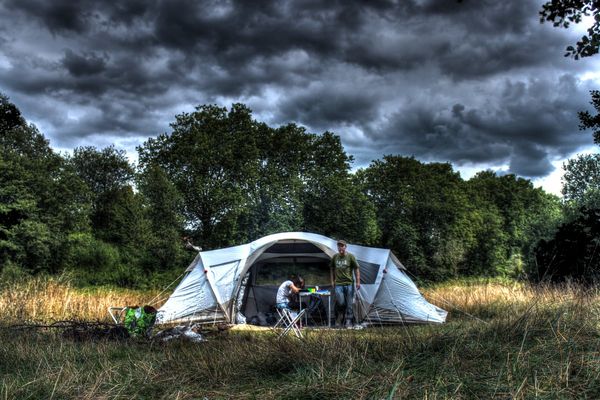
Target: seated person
287, 292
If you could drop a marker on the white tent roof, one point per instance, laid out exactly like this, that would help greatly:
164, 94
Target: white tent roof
210, 292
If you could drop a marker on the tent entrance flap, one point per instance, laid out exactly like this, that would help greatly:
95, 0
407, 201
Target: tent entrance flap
277, 263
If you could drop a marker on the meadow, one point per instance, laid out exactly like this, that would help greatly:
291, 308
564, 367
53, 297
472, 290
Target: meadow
502, 340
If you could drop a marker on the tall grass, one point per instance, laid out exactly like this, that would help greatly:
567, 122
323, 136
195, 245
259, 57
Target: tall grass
48, 299
502, 341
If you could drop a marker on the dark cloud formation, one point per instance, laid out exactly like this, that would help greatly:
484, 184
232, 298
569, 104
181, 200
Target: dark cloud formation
83, 64
473, 82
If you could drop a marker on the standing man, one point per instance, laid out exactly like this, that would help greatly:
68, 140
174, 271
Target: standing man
345, 275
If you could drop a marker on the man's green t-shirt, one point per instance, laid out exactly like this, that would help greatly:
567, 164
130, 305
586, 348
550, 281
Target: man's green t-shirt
344, 266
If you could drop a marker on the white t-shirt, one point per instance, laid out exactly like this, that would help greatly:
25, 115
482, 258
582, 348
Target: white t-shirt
284, 293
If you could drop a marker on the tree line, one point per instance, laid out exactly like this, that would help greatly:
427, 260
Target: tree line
222, 178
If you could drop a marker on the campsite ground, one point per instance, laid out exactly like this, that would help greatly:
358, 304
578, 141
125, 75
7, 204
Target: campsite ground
502, 340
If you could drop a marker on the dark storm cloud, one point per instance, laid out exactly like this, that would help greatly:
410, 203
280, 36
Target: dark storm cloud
78, 17
530, 160
327, 105
465, 82
382, 35
83, 64
58, 16
526, 125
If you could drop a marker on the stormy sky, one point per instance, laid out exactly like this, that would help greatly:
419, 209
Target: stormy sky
478, 83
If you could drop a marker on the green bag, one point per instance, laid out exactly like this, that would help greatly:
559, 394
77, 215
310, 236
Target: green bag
139, 321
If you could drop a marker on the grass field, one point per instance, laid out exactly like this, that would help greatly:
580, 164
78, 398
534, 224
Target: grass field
502, 340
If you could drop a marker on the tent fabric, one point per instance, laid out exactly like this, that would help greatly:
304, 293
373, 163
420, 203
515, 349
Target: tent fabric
212, 290
398, 297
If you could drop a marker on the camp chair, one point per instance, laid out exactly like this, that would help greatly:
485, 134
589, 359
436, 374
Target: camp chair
289, 322
117, 313
137, 320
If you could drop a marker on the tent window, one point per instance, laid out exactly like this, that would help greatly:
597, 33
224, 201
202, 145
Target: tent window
368, 272
315, 271
294, 248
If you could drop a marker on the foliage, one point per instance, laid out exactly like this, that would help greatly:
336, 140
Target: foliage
239, 179
95, 262
517, 216
41, 198
11, 274
211, 158
441, 226
561, 13
107, 175
223, 178
334, 203
102, 170
163, 212
589, 121
119, 218
422, 213
275, 202
581, 182
574, 252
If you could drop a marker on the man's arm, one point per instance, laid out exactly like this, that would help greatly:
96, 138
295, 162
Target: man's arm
356, 272
294, 288
332, 273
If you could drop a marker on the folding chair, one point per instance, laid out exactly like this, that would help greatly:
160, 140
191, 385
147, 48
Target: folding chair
289, 322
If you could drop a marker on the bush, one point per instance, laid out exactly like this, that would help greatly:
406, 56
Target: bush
11, 273
95, 262
34, 241
573, 253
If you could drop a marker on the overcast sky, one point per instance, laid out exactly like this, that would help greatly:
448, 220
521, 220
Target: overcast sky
479, 83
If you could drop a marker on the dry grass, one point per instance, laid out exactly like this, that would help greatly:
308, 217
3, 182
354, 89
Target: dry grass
471, 295
51, 299
488, 298
503, 340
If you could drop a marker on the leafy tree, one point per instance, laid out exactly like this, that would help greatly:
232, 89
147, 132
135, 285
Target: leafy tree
41, 198
561, 13
525, 214
589, 121
488, 253
18, 138
275, 203
10, 118
422, 213
102, 170
120, 218
334, 203
95, 262
163, 207
240, 179
17, 204
581, 182
573, 252
502, 203
545, 216
211, 157
116, 210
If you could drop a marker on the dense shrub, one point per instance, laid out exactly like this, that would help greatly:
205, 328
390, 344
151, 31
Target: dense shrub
573, 253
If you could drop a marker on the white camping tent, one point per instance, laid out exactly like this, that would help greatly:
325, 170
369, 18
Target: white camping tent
220, 285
